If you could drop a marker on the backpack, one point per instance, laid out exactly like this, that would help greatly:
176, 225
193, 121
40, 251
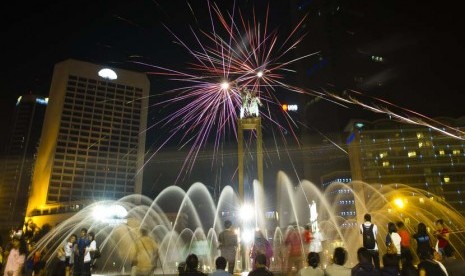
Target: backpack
369, 240
95, 254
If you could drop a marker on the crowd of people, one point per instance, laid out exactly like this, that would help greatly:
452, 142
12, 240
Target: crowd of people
434, 258
15, 253
303, 254
406, 254
75, 256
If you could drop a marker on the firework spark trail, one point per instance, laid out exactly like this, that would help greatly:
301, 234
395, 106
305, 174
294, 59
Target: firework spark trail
232, 57
415, 113
406, 119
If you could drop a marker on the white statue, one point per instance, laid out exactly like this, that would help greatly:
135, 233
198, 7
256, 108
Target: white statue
250, 103
313, 216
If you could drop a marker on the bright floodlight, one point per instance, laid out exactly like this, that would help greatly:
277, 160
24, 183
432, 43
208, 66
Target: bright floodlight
105, 212
224, 85
246, 212
399, 203
107, 74
260, 74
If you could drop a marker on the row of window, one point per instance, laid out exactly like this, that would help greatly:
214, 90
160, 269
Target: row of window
84, 142
92, 90
91, 176
129, 104
92, 185
121, 119
86, 112
90, 160
51, 198
102, 83
94, 137
113, 159
67, 127
117, 112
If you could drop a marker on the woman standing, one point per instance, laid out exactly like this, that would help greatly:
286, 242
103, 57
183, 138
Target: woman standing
16, 258
261, 246
87, 256
392, 238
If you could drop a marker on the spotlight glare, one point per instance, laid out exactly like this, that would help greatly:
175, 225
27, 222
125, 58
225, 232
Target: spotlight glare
399, 203
246, 212
248, 235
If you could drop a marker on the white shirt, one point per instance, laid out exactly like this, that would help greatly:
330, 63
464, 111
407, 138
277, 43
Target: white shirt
337, 270
68, 248
310, 271
92, 247
395, 239
375, 231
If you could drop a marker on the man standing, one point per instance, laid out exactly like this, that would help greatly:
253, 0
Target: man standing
369, 232
79, 253
228, 244
442, 234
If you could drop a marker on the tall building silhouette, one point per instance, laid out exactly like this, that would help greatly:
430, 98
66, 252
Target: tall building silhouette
93, 140
19, 156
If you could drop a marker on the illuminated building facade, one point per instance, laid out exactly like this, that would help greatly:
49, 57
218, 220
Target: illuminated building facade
20, 154
389, 152
93, 140
340, 197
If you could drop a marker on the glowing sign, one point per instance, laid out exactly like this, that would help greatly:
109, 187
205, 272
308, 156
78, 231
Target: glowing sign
43, 101
290, 107
107, 74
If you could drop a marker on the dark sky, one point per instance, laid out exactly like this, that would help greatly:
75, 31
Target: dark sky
426, 39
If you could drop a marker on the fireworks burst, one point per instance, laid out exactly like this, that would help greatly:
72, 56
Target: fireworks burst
240, 53
235, 56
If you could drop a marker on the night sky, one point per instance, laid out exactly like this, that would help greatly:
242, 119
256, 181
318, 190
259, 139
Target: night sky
426, 73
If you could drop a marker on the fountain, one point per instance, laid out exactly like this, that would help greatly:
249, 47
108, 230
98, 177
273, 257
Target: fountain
184, 222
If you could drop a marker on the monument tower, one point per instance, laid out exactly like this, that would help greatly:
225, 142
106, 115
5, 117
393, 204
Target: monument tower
249, 120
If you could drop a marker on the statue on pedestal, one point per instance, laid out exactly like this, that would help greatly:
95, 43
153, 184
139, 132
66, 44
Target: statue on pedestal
250, 103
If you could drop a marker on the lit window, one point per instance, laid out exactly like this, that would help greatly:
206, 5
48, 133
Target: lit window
420, 144
383, 154
456, 152
412, 153
446, 179
385, 163
442, 152
419, 135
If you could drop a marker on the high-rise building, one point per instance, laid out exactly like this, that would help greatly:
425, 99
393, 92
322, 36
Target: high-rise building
389, 152
20, 153
93, 139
